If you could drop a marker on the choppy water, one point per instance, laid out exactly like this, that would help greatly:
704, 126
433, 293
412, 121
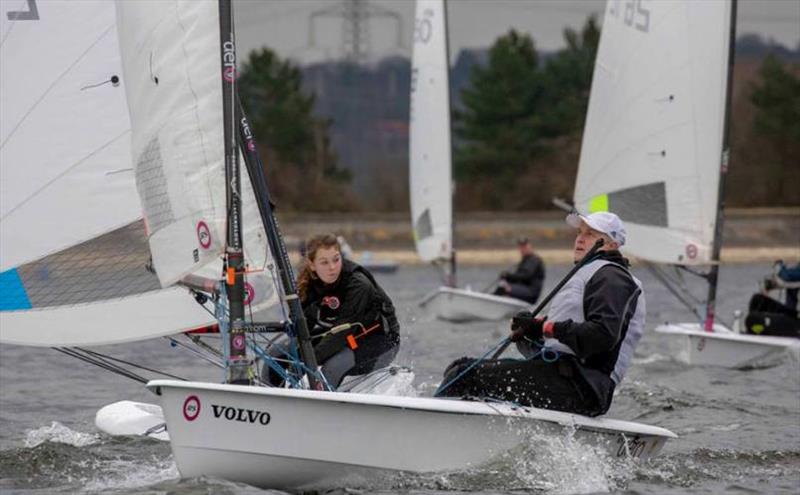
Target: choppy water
739, 430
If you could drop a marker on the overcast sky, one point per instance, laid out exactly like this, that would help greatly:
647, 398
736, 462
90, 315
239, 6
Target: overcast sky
285, 25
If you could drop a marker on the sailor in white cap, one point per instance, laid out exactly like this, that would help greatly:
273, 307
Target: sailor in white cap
578, 354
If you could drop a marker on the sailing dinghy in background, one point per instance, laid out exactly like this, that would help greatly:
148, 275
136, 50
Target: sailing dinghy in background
656, 149
187, 136
430, 173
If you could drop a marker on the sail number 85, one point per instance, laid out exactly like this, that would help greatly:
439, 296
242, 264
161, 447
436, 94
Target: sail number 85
634, 13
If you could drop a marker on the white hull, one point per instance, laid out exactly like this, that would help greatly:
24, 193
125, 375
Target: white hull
288, 439
726, 348
129, 418
459, 305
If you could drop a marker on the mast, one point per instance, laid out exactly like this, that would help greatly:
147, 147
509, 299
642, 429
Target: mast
238, 366
276, 245
724, 163
452, 282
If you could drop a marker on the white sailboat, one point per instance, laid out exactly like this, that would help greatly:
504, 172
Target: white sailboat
655, 151
430, 173
178, 71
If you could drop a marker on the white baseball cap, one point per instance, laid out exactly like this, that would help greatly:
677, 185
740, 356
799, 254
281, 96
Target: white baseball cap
601, 221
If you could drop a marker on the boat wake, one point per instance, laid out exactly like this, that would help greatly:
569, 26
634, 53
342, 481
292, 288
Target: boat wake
62, 460
59, 433
728, 467
545, 463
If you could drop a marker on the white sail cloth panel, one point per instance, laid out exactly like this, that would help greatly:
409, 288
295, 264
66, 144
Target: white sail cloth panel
429, 139
171, 60
652, 144
65, 166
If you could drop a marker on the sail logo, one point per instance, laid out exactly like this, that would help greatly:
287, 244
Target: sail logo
191, 408
241, 415
203, 235
228, 61
691, 251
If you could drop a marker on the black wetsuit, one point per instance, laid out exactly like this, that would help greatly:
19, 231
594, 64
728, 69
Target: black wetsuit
526, 281
354, 298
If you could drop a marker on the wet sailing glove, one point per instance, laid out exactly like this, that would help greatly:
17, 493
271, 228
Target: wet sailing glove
525, 325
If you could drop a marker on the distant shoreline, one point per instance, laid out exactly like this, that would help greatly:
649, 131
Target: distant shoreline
733, 255
750, 235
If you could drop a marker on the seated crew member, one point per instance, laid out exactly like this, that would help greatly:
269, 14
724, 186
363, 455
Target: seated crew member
595, 323
335, 291
524, 283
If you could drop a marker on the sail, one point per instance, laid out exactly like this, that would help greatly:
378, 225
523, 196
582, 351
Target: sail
75, 258
430, 172
652, 144
64, 129
72, 254
171, 61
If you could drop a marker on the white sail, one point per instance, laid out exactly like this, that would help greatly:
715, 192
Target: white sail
65, 168
429, 139
72, 254
171, 60
67, 178
653, 138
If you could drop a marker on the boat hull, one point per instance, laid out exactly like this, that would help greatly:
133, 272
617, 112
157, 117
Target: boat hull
289, 439
460, 305
728, 349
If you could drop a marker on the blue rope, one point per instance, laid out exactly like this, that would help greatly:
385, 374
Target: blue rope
299, 365
274, 366
547, 355
444, 387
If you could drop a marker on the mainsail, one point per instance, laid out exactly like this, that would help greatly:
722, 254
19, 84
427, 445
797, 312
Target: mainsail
64, 129
652, 145
429, 140
172, 68
73, 251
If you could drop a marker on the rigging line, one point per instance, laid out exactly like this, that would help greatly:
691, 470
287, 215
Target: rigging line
106, 366
210, 350
669, 286
53, 84
111, 358
65, 172
689, 270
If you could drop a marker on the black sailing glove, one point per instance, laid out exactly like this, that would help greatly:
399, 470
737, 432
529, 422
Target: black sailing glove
525, 325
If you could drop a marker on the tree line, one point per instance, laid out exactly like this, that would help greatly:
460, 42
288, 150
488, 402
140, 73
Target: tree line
338, 139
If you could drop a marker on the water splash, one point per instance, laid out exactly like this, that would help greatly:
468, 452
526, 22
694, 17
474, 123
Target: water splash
59, 433
118, 474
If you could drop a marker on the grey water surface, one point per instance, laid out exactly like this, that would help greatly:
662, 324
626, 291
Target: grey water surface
739, 429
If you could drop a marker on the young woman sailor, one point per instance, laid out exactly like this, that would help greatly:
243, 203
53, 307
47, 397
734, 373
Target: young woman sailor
351, 318
594, 325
